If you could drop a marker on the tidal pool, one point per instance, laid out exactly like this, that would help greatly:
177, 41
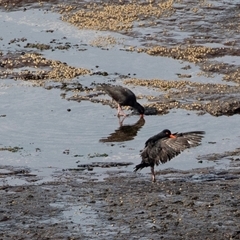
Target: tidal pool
54, 133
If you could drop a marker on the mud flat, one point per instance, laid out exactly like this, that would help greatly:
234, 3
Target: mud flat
203, 203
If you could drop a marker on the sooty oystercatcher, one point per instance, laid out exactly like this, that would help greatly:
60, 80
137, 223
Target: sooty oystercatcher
164, 146
123, 96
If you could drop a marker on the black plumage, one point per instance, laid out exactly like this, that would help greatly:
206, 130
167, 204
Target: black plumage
164, 146
123, 96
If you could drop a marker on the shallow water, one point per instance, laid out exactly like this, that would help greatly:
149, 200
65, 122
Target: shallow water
53, 138
33, 25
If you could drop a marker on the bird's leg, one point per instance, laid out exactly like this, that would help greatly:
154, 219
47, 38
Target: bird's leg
153, 174
120, 111
121, 120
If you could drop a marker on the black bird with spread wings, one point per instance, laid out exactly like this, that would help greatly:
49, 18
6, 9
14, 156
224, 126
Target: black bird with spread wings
164, 146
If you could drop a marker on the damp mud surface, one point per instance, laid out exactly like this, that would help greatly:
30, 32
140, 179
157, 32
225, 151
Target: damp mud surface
182, 60
180, 205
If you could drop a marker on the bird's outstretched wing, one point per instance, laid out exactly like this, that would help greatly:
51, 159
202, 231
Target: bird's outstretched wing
165, 149
171, 147
185, 140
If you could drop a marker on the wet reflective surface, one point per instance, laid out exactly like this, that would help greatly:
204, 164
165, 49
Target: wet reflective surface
51, 136
125, 132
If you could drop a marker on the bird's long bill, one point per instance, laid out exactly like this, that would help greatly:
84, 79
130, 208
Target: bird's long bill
172, 136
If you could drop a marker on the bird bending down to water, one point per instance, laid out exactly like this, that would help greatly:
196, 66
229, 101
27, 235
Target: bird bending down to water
164, 146
123, 96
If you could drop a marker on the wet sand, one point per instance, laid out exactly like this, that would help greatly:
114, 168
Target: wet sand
202, 203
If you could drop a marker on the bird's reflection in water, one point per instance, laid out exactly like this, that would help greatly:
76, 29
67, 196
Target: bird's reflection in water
125, 132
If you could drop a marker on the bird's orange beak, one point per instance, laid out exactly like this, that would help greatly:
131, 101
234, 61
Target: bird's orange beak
172, 136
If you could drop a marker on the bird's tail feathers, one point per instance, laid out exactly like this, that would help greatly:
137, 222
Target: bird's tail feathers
141, 166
